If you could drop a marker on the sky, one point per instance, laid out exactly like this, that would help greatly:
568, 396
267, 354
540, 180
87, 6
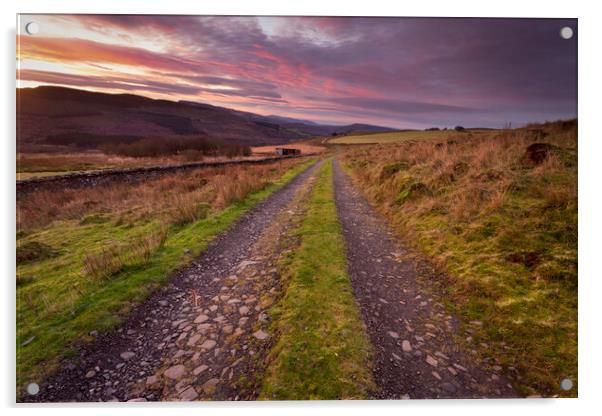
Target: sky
398, 72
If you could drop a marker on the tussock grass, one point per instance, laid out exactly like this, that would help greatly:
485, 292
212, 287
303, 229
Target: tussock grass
323, 351
89, 286
114, 257
503, 227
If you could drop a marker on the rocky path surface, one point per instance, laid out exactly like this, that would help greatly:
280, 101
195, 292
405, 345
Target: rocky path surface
204, 336
416, 355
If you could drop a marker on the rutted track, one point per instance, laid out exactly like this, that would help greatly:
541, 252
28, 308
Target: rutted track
107, 176
199, 335
415, 351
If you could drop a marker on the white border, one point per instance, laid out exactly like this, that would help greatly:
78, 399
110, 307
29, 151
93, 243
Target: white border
590, 142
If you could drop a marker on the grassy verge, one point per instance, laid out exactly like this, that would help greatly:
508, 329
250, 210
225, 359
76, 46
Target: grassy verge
503, 225
323, 351
59, 304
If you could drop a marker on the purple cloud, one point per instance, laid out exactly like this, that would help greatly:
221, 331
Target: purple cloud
405, 72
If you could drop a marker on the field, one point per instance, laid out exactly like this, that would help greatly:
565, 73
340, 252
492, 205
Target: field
402, 137
493, 212
85, 257
500, 220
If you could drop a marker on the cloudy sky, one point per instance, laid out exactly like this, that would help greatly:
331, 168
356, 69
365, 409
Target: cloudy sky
400, 72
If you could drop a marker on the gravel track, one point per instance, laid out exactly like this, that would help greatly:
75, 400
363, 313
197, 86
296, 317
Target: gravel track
415, 349
197, 337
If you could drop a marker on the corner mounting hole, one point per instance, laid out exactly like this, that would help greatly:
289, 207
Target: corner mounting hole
566, 384
32, 28
33, 389
566, 33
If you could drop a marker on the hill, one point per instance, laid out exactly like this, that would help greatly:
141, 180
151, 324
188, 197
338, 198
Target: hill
56, 118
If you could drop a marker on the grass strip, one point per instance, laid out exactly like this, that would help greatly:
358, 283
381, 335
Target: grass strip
81, 306
323, 351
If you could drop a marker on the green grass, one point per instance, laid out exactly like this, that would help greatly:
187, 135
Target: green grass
323, 351
58, 304
399, 137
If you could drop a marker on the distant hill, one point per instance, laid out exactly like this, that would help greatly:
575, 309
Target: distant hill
51, 118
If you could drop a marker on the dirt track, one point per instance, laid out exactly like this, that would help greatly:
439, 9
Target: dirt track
205, 335
195, 339
416, 355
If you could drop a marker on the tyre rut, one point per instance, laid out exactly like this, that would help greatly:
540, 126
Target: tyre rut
196, 337
416, 354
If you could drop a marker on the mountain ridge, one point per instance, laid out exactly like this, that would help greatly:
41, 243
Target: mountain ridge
51, 118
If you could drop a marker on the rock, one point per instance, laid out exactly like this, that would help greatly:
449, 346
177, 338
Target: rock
449, 387
127, 355
151, 380
431, 361
209, 344
189, 394
175, 372
138, 399
538, 152
90, 374
393, 334
209, 386
163, 303
261, 335
436, 375
244, 264
179, 354
193, 340
243, 310
459, 367
28, 341
406, 346
199, 369
452, 370
93, 333
200, 319
203, 328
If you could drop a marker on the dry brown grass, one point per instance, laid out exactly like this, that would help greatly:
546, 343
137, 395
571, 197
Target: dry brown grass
502, 227
177, 199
